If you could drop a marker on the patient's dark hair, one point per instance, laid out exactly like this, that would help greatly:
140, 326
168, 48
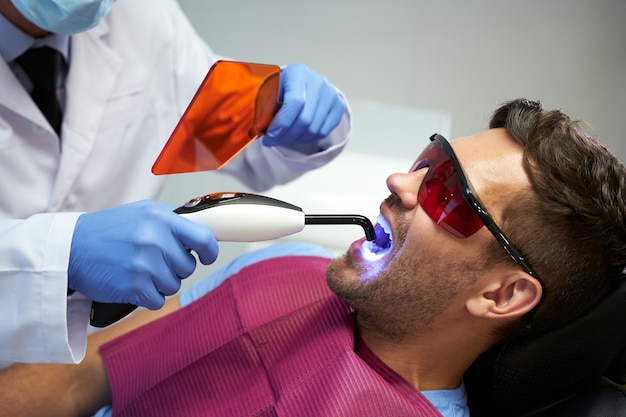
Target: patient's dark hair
571, 228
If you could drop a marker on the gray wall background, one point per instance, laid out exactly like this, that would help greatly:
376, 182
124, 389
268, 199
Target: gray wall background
463, 57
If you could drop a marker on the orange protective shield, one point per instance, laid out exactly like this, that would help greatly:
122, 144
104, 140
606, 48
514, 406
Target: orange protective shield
233, 106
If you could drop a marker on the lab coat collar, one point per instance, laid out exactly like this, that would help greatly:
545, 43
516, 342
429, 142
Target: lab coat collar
92, 76
94, 67
14, 42
14, 99
93, 71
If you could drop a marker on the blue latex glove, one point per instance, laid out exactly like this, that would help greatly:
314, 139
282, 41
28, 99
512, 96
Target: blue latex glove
311, 109
136, 253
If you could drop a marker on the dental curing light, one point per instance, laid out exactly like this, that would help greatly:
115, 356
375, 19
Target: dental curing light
240, 217
245, 217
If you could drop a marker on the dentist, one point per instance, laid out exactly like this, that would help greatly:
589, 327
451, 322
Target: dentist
77, 220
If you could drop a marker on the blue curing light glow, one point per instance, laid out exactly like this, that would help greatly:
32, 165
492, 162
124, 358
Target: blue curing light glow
379, 247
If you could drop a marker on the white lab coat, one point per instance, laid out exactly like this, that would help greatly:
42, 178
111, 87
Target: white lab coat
129, 81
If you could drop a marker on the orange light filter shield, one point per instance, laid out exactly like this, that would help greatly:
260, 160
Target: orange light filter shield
233, 106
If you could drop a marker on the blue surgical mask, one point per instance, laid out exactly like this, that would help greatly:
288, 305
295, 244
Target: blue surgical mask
64, 17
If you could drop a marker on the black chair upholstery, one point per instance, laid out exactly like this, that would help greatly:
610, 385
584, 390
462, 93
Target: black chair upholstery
567, 372
604, 400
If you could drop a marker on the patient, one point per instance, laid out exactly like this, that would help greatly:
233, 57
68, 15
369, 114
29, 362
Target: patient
389, 328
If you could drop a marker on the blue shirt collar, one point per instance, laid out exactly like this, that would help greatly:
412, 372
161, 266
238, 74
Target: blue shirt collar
14, 42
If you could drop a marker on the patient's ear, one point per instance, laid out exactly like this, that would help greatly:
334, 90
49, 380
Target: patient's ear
510, 296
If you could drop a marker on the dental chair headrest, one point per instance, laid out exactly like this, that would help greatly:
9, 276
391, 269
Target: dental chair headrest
518, 377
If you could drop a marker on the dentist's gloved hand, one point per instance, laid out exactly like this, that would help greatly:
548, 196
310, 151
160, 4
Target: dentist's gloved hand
136, 253
311, 109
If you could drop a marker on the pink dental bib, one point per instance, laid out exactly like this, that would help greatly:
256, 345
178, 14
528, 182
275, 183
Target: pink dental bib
272, 340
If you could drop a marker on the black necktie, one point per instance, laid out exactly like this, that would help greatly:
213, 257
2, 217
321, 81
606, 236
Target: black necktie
43, 66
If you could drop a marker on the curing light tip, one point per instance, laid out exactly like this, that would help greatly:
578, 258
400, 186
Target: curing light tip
357, 219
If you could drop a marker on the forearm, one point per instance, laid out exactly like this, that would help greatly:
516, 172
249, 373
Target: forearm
46, 390
63, 389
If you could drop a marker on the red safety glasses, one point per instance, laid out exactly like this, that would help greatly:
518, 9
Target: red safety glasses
448, 198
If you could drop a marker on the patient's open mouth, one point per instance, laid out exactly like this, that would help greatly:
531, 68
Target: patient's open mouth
383, 242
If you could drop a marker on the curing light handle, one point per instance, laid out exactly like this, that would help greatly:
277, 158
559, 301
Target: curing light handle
104, 314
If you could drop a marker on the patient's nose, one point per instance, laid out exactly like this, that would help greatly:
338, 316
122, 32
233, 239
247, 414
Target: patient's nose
406, 186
